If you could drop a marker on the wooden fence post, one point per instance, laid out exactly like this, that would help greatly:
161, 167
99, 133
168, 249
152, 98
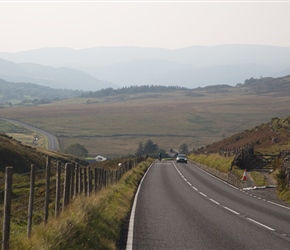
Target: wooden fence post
99, 170
76, 188
7, 208
81, 180
89, 182
72, 173
66, 194
95, 180
31, 200
85, 184
58, 188
101, 177
47, 188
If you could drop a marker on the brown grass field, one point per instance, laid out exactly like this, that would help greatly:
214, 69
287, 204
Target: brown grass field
114, 126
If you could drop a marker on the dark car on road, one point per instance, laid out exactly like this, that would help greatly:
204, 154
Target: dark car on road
181, 158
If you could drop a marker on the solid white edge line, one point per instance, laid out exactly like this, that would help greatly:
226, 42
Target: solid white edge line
261, 224
129, 245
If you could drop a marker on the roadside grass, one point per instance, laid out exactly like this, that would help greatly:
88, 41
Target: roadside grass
258, 178
223, 164
29, 139
95, 222
215, 161
8, 127
285, 195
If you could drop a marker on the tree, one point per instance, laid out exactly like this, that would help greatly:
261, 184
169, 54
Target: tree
77, 149
140, 150
183, 149
150, 147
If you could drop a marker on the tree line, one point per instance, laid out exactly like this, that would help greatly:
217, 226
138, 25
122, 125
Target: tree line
148, 148
132, 90
152, 149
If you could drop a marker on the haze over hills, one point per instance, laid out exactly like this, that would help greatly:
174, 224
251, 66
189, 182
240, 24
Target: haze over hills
191, 67
58, 78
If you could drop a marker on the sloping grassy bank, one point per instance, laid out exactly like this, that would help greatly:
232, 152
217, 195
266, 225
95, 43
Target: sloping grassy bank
223, 164
95, 222
215, 161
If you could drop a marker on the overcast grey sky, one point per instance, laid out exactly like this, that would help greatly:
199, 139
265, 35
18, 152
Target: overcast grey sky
26, 25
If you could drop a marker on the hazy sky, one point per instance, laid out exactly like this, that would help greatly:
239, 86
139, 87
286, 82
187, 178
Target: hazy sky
28, 25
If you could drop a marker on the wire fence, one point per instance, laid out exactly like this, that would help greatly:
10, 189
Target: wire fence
32, 198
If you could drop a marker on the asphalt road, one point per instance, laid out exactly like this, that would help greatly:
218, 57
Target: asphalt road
52, 140
179, 206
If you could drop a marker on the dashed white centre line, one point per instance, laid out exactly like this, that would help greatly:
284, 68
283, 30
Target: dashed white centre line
203, 194
231, 210
217, 203
214, 201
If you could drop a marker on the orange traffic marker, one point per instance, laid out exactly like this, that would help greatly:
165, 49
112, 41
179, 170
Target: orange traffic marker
244, 178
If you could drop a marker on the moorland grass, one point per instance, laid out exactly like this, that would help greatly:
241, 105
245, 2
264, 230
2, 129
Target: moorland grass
170, 119
94, 222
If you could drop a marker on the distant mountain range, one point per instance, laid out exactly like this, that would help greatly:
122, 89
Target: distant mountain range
103, 67
58, 78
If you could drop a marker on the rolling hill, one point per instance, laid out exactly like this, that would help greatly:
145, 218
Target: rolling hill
20, 156
54, 77
28, 93
196, 66
114, 123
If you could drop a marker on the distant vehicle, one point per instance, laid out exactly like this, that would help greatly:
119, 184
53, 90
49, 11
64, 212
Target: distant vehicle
181, 158
100, 158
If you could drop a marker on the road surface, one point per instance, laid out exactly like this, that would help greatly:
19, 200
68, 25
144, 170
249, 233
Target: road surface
179, 206
52, 140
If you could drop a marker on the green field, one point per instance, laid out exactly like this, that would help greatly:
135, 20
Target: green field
114, 126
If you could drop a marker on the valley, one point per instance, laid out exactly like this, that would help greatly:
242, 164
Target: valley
114, 125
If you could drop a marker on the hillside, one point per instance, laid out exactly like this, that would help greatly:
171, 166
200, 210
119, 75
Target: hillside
268, 85
20, 157
112, 123
33, 94
188, 67
271, 138
54, 77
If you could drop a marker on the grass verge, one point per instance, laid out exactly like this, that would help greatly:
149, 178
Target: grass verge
259, 179
285, 195
215, 161
95, 222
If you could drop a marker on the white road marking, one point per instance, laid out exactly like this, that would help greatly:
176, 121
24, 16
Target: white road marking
214, 201
132, 216
260, 224
231, 210
227, 208
278, 204
203, 194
